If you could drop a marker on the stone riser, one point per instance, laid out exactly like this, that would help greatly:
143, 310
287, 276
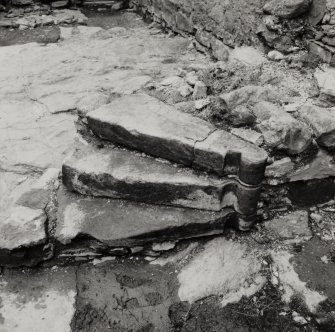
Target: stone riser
122, 175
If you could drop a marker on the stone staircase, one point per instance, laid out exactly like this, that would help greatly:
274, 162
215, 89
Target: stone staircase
157, 174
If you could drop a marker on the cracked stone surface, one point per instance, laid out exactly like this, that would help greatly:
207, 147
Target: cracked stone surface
176, 136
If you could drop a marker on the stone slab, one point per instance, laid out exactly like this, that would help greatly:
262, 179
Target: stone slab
119, 222
126, 175
146, 124
37, 300
326, 81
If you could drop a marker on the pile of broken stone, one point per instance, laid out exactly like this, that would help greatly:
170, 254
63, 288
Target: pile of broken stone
32, 15
286, 21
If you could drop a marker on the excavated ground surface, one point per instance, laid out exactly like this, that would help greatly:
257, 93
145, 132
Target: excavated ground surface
278, 277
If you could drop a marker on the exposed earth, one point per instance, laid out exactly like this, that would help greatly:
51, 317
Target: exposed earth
153, 254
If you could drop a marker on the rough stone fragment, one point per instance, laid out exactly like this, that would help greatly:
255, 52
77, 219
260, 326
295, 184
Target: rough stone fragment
185, 90
172, 135
293, 226
24, 227
118, 222
280, 130
248, 55
240, 116
322, 121
224, 267
279, 168
287, 8
275, 55
201, 103
249, 94
249, 135
37, 300
321, 167
317, 11
326, 81
191, 78
319, 51
200, 90
121, 174
220, 50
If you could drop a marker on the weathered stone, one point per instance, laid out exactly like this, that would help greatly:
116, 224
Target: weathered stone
317, 11
227, 154
322, 121
121, 174
326, 81
319, 51
44, 301
91, 102
279, 168
22, 2
275, 55
223, 267
200, 90
191, 78
201, 103
240, 116
124, 223
248, 55
59, 4
321, 167
250, 94
249, 135
293, 226
287, 8
280, 130
185, 90
220, 50
173, 135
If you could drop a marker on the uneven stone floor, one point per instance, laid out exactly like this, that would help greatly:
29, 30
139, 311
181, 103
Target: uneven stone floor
278, 277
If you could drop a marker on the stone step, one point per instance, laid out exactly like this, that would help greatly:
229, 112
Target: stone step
128, 175
146, 124
116, 222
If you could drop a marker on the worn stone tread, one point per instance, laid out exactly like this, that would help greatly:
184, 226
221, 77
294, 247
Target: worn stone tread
144, 123
126, 175
124, 223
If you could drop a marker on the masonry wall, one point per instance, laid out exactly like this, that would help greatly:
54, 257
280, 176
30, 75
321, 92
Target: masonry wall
218, 24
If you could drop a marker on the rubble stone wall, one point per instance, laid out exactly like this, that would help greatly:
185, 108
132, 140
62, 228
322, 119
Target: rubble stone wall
285, 25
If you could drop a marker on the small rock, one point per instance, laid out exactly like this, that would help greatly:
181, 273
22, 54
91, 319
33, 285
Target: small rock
275, 55
201, 103
287, 8
279, 168
281, 130
324, 259
293, 226
90, 102
185, 90
173, 80
200, 90
298, 319
322, 121
241, 116
316, 217
249, 135
220, 50
326, 81
191, 78
250, 94
164, 246
59, 4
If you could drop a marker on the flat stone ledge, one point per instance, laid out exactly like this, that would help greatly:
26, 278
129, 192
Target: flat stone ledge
147, 124
123, 223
